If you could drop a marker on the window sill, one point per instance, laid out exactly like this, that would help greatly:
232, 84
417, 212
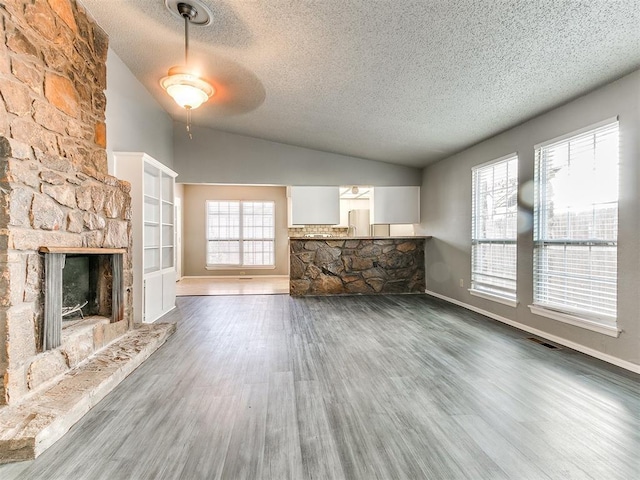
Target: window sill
495, 298
609, 330
240, 267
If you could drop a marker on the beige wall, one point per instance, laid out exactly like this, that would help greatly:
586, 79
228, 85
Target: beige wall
193, 235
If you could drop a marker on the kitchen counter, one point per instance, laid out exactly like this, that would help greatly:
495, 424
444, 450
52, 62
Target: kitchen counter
356, 265
362, 237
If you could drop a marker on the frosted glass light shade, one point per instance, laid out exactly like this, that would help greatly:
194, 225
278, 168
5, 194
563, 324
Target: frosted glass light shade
188, 90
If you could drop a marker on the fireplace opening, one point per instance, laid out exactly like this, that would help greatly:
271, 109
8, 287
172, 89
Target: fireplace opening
80, 282
86, 287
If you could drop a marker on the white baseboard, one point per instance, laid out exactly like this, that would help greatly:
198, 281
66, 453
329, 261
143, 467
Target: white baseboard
235, 276
562, 341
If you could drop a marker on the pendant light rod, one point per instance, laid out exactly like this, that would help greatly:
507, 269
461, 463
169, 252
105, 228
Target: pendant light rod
188, 12
186, 41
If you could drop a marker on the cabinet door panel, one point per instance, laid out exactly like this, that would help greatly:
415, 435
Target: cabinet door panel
315, 205
153, 298
168, 291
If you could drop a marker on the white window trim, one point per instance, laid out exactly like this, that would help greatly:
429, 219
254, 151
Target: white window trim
494, 297
233, 266
576, 133
575, 320
606, 325
240, 267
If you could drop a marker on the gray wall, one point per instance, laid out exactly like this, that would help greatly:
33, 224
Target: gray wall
135, 121
194, 243
446, 214
218, 157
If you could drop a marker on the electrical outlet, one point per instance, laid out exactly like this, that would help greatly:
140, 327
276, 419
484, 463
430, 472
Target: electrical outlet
462, 282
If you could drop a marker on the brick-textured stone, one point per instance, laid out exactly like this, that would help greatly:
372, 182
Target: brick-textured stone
16, 96
29, 132
40, 17
54, 162
93, 239
21, 333
29, 239
19, 43
10, 148
12, 278
61, 93
45, 367
52, 177
20, 206
5, 64
27, 73
101, 134
63, 9
63, 194
93, 221
75, 221
49, 117
33, 281
25, 172
116, 234
46, 214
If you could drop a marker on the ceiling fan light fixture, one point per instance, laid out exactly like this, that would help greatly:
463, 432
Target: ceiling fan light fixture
187, 90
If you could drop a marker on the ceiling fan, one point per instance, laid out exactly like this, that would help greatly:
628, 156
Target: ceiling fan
187, 88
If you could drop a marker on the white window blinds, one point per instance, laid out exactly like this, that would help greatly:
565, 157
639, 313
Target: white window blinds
240, 233
576, 224
494, 227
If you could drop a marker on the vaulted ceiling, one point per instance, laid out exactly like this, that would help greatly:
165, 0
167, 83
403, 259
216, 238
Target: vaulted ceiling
400, 81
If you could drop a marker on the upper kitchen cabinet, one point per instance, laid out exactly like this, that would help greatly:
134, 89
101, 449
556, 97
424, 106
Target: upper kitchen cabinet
315, 205
394, 205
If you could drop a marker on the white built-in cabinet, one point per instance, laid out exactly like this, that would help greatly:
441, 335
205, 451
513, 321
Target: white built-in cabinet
395, 205
314, 205
153, 233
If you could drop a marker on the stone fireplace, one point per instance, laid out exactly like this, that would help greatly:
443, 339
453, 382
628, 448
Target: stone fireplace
83, 214
56, 197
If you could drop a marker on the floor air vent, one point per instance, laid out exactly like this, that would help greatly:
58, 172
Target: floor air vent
543, 343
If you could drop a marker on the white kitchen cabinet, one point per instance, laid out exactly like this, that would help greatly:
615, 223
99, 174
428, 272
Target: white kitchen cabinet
153, 232
395, 205
315, 205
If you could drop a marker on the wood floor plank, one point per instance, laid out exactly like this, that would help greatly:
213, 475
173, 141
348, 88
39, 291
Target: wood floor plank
245, 454
320, 456
386, 387
283, 456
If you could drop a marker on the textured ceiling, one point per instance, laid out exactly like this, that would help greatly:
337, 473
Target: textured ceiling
400, 81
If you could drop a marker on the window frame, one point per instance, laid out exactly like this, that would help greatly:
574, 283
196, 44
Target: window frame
581, 317
476, 290
241, 239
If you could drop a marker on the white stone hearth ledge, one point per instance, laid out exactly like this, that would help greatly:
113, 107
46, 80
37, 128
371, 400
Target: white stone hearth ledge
30, 427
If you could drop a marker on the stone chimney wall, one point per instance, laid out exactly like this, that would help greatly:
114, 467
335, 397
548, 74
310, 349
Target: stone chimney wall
54, 187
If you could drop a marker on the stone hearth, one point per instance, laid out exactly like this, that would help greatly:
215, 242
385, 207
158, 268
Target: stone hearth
29, 428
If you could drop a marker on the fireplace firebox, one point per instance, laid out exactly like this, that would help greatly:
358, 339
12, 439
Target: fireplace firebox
79, 282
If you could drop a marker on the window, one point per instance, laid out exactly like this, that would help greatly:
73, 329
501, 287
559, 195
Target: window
576, 227
240, 234
494, 229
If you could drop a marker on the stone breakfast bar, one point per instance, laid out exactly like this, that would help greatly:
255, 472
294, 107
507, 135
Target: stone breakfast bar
356, 265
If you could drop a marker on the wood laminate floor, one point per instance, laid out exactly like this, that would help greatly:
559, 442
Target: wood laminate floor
387, 387
257, 285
